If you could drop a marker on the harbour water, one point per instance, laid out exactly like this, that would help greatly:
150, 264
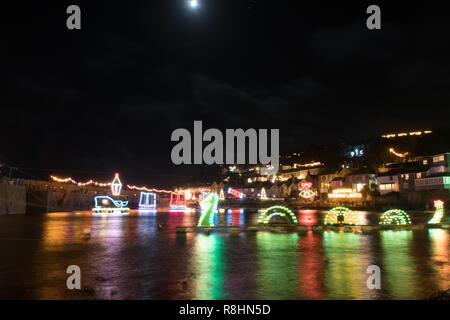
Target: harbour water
130, 257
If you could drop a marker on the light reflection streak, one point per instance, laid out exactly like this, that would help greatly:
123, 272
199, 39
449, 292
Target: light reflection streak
208, 263
277, 257
344, 275
399, 274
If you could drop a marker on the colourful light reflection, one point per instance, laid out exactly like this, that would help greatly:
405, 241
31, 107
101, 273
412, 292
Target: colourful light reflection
208, 263
276, 253
440, 249
308, 217
345, 276
399, 274
311, 266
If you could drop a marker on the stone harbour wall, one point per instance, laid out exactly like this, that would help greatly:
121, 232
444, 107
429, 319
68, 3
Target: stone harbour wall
12, 199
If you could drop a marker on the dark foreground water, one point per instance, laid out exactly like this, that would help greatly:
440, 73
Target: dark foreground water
128, 258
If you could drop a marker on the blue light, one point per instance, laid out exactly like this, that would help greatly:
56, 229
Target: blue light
117, 203
147, 200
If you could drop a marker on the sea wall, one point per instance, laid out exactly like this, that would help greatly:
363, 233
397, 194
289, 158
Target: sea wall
12, 199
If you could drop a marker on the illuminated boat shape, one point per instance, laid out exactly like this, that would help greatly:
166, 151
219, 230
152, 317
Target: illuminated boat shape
177, 202
147, 201
107, 205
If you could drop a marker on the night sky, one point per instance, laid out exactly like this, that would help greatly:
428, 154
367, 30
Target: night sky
106, 98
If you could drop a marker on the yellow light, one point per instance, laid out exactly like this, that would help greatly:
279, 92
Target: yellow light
344, 193
398, 154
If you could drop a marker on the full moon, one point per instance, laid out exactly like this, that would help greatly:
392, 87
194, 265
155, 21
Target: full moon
193, 3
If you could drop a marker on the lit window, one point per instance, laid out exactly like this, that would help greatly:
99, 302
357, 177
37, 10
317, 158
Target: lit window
438, 158
419, 175
425, 162
387, 186
406, 176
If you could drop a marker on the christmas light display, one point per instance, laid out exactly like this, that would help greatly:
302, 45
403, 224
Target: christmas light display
202, 196
234, 211
263, 194
209, 207
439, 213
404, 134
305, 190
106, 205
148, 190
395, 217
147, 200
116, 185
235, 193
221, 195
400, 155
87, 183
267, 214
177, 202
311, 164
340, 216
344, 193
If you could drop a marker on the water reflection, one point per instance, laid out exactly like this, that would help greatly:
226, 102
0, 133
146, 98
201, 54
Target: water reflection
130, 257
344, 274
277, 266
399, 274
208, 265
440, 253
312, 266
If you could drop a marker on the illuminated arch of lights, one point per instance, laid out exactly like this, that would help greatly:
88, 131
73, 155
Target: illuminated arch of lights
267, 214
439, 213
209, 207
395, 217
398, 154
349, 217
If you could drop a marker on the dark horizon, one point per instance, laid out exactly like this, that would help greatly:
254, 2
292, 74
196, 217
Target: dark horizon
106, 98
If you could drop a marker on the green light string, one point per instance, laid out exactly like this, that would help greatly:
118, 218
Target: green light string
209, 206
267, 214
395, 217
345, 212
439, 213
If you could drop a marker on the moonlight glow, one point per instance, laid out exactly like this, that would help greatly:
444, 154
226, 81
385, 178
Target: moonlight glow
193, 3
